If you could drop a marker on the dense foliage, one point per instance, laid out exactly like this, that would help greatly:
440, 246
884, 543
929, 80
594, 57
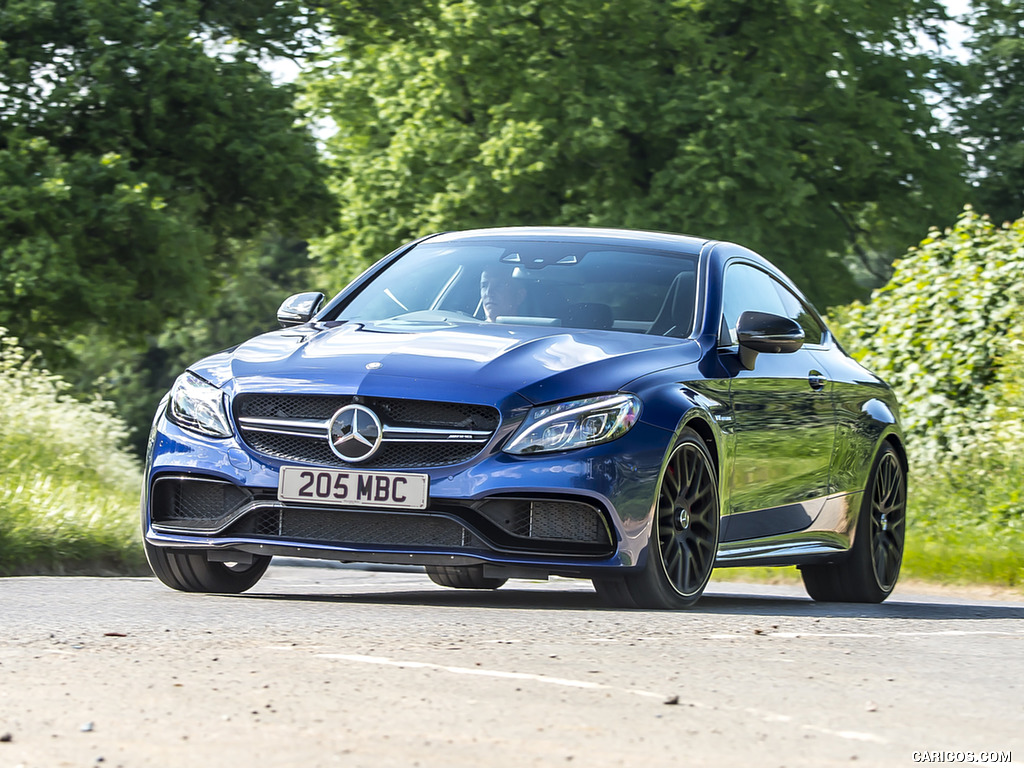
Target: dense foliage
948, 333
967, 509
800, 129
941, 332
990, 106
68, 487
137, 142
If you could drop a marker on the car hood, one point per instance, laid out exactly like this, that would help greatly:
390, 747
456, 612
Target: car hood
443, 360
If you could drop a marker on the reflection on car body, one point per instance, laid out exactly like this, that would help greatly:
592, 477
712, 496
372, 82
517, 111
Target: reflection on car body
628, 407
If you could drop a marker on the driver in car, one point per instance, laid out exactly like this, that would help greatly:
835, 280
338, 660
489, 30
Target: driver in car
500, 294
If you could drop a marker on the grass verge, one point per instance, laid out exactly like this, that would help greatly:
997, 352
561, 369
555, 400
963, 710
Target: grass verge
67, 528
952, 556
966, 556
68, 488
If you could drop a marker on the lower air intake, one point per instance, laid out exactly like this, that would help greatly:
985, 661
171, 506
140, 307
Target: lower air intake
349, 527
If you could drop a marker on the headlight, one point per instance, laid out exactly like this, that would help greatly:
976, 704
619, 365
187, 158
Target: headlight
198, 406
576, 424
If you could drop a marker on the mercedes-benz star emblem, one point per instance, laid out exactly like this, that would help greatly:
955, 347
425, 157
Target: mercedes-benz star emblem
356, 433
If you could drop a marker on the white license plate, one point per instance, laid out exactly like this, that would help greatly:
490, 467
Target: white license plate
346, 488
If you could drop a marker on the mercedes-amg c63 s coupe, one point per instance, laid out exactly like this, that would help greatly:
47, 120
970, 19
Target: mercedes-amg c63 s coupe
628, 407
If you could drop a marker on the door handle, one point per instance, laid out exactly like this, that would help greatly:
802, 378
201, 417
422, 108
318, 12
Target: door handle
817, 380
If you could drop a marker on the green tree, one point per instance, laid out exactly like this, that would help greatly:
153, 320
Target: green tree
801, 129
139, 142
990, 112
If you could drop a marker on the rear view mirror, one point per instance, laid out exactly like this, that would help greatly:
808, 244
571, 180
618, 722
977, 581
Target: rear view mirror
299, 309
764, 332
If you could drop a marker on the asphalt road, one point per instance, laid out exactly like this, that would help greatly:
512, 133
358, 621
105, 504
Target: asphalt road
346, 667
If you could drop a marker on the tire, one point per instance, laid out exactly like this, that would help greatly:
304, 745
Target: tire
870, 569
463, 577
684, 538
190, 571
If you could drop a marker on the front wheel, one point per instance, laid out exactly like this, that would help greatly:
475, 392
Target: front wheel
684, 540
191, 571
869, 571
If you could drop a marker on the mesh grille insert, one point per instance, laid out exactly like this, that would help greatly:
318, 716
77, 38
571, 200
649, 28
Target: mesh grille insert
548, 519
344, 526
181, 499
398, 412
314, 450
392, 412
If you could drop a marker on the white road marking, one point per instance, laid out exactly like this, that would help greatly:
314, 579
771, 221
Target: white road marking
852, 735
770, 717
481, 672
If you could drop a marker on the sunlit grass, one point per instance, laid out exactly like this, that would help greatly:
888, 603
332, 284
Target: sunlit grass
966, 527
787, 575
952, 557
68, 489
967, 521
966, 556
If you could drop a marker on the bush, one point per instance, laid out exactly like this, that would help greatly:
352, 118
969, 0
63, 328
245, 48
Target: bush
941, 333
69, 491
948, 334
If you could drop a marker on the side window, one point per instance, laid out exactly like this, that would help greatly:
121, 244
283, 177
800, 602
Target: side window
747, 288
796, 310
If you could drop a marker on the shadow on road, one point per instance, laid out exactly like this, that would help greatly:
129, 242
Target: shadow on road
733, 604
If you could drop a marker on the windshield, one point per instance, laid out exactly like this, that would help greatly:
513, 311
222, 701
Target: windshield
564, 284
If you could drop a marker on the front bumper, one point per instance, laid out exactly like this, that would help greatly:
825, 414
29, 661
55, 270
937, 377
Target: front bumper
576, 513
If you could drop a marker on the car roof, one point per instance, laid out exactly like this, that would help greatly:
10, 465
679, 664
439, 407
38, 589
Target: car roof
636, 238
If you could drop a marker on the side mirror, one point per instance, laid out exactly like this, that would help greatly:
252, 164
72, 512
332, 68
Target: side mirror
298, 309
764, 332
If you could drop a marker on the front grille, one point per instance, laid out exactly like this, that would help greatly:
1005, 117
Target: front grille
349, 527
470, 426
425, 413
315, 450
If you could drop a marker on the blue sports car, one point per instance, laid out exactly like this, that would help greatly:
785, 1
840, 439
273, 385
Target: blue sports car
628, 407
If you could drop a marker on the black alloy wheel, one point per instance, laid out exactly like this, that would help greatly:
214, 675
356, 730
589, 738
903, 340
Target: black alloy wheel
684, 541
869, 572
191, 571
463, 577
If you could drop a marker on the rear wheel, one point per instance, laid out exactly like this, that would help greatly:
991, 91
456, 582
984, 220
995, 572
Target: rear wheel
463, 577
191, 571
869, 571
684, 541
